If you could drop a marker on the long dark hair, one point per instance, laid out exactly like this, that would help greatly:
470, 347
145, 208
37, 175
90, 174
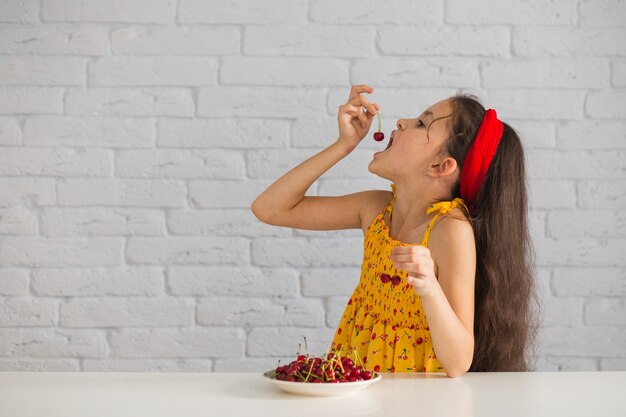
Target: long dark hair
505, 324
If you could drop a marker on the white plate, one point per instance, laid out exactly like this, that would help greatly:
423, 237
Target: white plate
322, 389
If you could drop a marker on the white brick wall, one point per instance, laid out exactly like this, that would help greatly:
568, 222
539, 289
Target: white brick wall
134, 135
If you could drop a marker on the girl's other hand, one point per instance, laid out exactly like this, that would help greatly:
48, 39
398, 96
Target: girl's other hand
419, 264
355, 117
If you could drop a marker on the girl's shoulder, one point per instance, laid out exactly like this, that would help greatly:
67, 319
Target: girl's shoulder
453, 230
379, 199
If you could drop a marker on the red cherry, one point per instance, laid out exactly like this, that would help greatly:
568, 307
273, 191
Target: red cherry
366, 375
396, 280
419, 341
378, 136
385, 278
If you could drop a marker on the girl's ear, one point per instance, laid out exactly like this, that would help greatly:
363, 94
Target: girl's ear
446, 167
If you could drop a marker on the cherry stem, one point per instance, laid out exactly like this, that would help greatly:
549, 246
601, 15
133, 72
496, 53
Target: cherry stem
378, 114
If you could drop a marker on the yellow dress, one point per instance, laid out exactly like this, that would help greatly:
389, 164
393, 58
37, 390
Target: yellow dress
384, 321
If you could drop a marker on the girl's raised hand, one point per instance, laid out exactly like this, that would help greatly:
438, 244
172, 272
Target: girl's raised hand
418, 263
355, 117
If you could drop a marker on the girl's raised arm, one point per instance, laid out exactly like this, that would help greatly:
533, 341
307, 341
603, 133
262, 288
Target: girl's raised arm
284, 202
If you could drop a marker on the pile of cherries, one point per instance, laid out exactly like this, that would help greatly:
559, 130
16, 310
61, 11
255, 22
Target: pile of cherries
331, 369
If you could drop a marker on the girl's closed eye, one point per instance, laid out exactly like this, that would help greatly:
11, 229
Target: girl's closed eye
420, 124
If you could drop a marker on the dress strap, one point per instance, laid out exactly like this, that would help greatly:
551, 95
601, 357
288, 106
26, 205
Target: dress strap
441, 207
389, 205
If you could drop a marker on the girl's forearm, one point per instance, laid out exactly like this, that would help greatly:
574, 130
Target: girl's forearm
287, 191
454, 343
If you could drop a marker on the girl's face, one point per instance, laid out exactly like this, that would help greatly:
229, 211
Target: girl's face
415, 144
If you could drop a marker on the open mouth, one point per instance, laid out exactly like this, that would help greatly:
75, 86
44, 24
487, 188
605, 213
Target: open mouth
389, 144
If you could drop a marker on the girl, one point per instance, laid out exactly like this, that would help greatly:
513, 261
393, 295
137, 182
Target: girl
446, 282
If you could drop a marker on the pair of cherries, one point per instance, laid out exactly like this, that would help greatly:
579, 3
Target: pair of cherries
395, 280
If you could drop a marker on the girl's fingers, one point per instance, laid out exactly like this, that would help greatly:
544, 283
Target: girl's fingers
362, 101
356, 90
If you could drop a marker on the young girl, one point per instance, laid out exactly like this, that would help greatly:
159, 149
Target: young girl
446, 282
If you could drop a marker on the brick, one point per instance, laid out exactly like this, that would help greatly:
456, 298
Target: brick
239, 11
14, 281
558, 164
26, 11
188, 250
605, 312
180, 163
558, 311
17, 221
320, 282
309, 40
51, 343
85, 282
283, 341
444, 40
117, 11
591, 134
176, 343
60, 252
602, 13
19, 161
546, 73
540, 104
310, 252
153, 71
146, 365
258, 101
252, 311
583, 341
219, 222
40, 365
606, 104
55, 40
395, 13
26, 311
270, 163
126, 312
42, 70
618, 73
529, 12
427, 72
537, 222
599, 224
602, 195
173, 40
284, 71
318, 133
160, 101
27, 192
122, 192
589, 281
567, 41
225, 194
573, 364
239, 282
31, 100
579, 251
616, 364
551, 194
9, 131
102, 221
218, 133
89, 132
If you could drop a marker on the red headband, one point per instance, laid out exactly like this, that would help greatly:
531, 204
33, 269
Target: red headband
480, 155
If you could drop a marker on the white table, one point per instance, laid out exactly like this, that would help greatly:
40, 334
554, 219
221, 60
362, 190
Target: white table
50, 394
